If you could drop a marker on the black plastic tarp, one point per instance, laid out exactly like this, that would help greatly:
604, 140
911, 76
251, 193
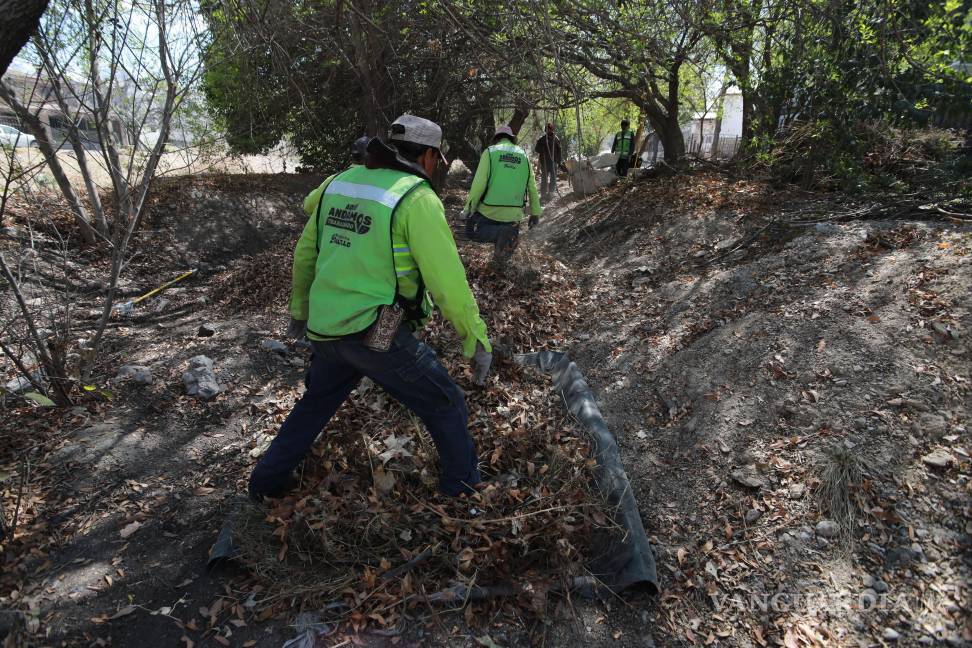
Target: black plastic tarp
631, 563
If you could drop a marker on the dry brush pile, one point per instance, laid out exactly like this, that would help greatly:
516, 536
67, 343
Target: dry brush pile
367, 538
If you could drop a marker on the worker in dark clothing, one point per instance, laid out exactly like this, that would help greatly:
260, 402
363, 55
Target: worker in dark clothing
624, 147
548, 148
359, 150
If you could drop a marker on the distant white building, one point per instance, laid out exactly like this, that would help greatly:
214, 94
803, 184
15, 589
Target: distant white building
36, 91
699, 132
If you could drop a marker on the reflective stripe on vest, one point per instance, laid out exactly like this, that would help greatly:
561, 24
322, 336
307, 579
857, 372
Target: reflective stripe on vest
367, 192
357, 266
624, 140
509, 172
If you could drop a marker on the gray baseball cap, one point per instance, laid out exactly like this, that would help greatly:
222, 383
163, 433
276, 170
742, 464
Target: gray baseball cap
504, 131
409, 128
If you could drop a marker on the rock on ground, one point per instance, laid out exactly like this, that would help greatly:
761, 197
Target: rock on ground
138, 374
939, 458
826, 528
748, 477
274, 346
200, 380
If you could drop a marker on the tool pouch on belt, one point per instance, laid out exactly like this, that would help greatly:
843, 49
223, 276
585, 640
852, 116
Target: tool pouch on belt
381, 334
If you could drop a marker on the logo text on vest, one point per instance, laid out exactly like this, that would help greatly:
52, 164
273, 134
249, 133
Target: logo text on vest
340, 239
349, 219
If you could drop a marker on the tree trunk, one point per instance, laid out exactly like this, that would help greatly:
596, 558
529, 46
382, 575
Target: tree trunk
717, 127
638, 145
759, 118
94, 198
671, 138
100, 220
748, 128
99, 111
463, 138
668, 131
135, 197
740, 67
465, 151
18, 20
716, 132
668, 127
519, 116
369, 66
469, 151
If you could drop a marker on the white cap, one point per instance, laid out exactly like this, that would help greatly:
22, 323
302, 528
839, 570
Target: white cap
504, 130
409, 128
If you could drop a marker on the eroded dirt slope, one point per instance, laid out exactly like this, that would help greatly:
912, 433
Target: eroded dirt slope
737, 359
125, 491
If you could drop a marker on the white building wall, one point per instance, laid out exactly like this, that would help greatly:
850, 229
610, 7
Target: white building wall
732, 114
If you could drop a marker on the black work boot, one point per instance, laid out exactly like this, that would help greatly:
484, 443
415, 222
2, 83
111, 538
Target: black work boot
506, 243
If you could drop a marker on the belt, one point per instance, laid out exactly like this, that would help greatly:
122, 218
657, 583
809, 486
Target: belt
496, 222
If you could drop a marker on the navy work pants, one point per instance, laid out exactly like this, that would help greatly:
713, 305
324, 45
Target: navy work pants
410, 372
504, 236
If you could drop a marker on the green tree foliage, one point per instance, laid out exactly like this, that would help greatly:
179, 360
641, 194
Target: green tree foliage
324, 73
636, 49
840, 61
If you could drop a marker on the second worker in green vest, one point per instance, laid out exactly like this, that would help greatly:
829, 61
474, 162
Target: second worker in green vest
503, 181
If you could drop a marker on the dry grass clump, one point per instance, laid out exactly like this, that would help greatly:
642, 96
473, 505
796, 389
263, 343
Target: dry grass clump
305, 571
839, 495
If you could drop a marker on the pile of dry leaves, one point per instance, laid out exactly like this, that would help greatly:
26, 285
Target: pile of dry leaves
258, 283
367, 538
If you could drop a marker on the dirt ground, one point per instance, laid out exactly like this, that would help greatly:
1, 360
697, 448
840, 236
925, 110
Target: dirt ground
735, 358
732, 367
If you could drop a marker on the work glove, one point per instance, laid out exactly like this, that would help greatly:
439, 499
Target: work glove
297, 329
481, 361
534, 221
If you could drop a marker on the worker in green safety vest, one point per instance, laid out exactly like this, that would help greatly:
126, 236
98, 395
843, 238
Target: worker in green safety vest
494, 208
374, 256
624, 147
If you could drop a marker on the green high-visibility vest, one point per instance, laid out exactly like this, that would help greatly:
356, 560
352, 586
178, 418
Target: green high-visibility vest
624, 142
356, 269
509, 172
